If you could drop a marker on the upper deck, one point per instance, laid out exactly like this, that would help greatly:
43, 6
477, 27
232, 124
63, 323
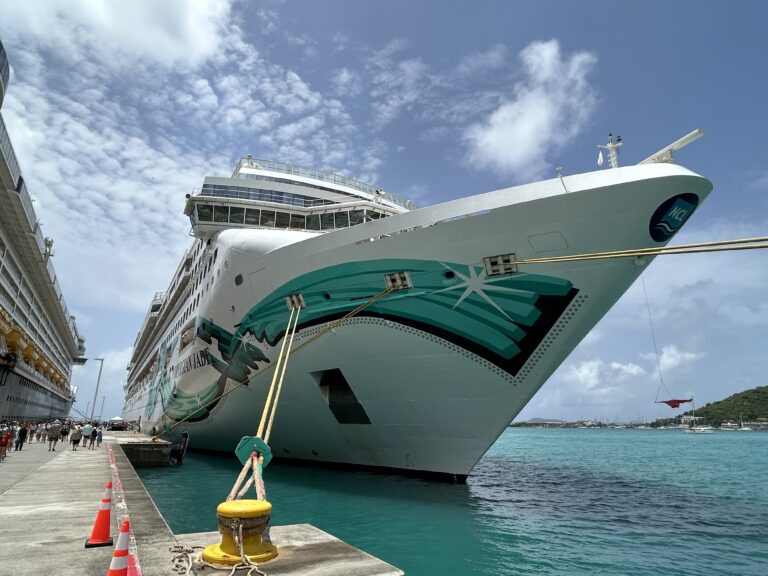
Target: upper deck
277, 195
303, 173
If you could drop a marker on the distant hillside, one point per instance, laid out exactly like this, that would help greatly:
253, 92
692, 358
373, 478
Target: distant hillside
748, 405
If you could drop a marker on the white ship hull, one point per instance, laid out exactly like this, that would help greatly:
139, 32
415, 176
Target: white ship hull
436, 372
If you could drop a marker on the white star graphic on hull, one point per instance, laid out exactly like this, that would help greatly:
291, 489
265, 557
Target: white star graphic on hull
478, 284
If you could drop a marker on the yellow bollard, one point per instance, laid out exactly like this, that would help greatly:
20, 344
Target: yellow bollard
252, 518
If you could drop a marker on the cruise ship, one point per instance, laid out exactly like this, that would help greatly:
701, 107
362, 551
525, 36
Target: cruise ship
451, 334
39, 340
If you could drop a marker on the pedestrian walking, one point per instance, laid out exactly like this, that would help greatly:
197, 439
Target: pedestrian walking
5, 440
39, 432
86, 433
21, 437
54, 432
94, 433
98, 438
75, 435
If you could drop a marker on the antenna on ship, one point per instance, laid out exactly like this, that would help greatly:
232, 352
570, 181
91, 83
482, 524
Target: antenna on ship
613, 151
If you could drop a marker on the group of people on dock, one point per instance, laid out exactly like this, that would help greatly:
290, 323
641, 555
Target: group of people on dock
13, 435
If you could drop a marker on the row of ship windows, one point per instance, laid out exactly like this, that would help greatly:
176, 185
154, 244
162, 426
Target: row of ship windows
200, 278
25, 383
265, 195
24, 402
274, 219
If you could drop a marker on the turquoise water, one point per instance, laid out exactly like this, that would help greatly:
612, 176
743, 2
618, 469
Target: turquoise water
540, 502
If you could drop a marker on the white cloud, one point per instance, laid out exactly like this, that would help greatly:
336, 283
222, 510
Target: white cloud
550, 106
172, 32
590, 383
594, 336
346, 83
600, 375
108, 157
672, 359
395, 85
483, 62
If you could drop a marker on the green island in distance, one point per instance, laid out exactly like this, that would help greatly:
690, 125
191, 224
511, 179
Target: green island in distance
747, 407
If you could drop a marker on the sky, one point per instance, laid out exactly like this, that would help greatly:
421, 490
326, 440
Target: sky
116, 110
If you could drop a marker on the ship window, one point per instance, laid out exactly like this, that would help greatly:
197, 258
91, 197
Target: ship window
372, 214
220, 213
342, 219
313, 222
267, 217
252, 217
355, 217
326, 221
204, 213
236, 215
297, 221
282, 220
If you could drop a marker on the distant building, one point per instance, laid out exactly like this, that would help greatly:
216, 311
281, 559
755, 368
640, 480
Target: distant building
690, 419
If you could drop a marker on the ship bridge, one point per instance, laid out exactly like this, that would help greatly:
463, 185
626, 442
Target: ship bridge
277, 195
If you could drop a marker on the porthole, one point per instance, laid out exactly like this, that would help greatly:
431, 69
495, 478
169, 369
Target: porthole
238, 279
449, 274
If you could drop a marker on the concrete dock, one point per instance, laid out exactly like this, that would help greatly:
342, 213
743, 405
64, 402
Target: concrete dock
49, 501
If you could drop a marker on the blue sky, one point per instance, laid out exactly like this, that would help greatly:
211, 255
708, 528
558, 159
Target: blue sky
117, 110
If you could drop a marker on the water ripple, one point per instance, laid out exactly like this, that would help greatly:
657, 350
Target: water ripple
541, 502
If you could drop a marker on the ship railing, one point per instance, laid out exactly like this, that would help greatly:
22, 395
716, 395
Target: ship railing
26, 203
276, 197
324, 175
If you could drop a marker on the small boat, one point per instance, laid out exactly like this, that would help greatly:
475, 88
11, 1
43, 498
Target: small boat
700, 430
741, 427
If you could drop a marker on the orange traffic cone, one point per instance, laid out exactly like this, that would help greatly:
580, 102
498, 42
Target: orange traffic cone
100, 533
119, 564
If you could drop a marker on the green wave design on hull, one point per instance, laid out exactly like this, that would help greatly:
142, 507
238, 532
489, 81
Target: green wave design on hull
496, 313
501, 318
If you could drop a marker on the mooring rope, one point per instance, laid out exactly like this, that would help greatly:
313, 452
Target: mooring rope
325, 330
268, 432
695, 248
268, 401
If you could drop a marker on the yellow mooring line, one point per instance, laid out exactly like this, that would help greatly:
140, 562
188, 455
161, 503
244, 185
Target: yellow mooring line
758, 243
325, 330
697, 248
